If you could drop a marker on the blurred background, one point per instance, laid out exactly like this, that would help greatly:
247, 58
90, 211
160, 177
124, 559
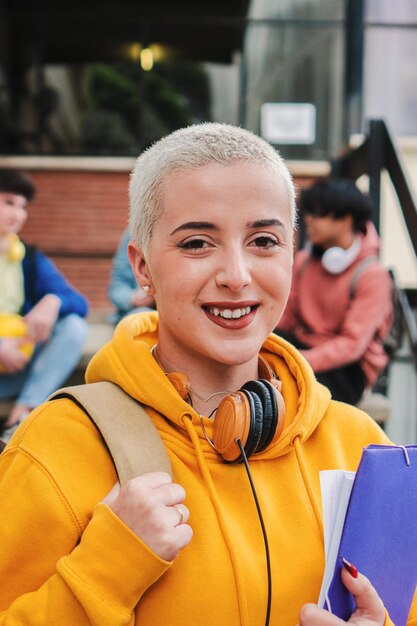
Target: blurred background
85, 86
111, 77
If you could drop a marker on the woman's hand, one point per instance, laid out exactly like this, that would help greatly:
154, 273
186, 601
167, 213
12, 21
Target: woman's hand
151, 506
369, 606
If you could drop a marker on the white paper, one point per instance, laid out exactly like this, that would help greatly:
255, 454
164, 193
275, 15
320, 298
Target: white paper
336, 487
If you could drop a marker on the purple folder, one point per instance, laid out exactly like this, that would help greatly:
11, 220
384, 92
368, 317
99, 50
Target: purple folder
380, 531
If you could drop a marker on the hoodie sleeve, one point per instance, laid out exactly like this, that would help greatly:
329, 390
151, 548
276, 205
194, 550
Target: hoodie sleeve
412, 621
59, 564
45, 279
370, 306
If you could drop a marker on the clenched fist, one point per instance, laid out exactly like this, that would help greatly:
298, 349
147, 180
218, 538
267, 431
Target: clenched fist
152, 507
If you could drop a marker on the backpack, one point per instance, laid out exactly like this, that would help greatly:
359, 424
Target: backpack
391, 342
129, 433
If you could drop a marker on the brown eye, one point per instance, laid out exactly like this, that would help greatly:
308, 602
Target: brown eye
265, 241
193, 244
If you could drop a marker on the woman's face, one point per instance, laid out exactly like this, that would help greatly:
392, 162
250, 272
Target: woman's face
219, 262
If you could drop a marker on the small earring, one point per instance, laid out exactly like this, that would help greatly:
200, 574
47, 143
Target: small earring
146, 288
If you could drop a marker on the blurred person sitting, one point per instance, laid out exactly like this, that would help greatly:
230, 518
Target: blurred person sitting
123, 291
340, 306
42, 328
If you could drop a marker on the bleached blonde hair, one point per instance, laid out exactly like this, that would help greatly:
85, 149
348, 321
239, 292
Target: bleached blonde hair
191, 148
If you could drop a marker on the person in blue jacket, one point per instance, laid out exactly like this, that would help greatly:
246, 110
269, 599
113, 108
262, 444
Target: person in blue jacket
52, 309
123, 291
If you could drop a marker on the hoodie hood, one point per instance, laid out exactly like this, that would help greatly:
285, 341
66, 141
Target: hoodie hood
127, 361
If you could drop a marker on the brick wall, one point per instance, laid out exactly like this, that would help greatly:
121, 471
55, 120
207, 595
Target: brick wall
78, 216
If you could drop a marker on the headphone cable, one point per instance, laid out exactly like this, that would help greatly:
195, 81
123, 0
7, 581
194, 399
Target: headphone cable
258, 508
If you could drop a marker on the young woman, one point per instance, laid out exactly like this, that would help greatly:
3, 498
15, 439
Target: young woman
212, 216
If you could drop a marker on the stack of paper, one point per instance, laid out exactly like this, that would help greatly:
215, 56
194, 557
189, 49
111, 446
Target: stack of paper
336, 487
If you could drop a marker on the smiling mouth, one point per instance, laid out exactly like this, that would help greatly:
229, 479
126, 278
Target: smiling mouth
230, 314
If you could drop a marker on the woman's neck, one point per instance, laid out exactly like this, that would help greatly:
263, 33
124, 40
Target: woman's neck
206, 395
209, 385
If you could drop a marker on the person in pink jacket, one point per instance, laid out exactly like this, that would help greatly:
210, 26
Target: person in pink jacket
340, 305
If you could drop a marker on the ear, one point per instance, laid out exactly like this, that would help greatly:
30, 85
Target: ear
139, 265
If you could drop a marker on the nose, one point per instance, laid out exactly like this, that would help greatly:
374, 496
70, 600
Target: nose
234, 271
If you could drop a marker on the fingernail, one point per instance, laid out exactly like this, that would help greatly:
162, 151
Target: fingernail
350, 568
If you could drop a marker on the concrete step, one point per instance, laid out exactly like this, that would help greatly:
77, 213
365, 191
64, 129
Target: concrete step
376, 405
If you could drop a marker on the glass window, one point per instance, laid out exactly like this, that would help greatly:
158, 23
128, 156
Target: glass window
297, 63
391, 44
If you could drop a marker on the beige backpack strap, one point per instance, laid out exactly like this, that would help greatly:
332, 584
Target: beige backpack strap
131, 437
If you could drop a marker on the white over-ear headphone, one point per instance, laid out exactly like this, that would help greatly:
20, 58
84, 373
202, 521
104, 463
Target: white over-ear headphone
336, 260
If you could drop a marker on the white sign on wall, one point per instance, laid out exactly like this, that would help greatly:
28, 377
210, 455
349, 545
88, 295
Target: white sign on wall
288, 123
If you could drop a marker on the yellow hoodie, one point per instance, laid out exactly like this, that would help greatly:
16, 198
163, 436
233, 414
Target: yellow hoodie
67, 559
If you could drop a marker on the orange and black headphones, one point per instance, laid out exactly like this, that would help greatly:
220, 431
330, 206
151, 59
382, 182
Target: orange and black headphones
254, 414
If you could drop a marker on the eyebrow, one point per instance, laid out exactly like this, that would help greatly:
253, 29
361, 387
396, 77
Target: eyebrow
262, 223
210, 226
195, 226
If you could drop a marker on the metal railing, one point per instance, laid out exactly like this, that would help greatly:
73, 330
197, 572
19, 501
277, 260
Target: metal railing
378, 152
409, 322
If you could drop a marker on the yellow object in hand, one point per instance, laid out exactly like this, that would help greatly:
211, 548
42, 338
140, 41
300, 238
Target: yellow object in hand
16, 249
13, 325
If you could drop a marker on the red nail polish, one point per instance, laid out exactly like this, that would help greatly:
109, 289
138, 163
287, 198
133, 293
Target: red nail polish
350, 568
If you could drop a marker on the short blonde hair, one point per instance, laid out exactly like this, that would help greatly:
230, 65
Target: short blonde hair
191, 148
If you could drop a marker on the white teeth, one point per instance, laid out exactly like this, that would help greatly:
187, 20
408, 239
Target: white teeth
229, 314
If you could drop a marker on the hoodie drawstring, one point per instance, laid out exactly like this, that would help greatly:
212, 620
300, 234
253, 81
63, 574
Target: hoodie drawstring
244, 618
306, 480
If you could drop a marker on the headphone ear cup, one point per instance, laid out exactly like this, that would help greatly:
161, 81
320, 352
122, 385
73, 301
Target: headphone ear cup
266, 394
232, 422
273, 409
256, 422
277, 386
336, 260
180, 382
